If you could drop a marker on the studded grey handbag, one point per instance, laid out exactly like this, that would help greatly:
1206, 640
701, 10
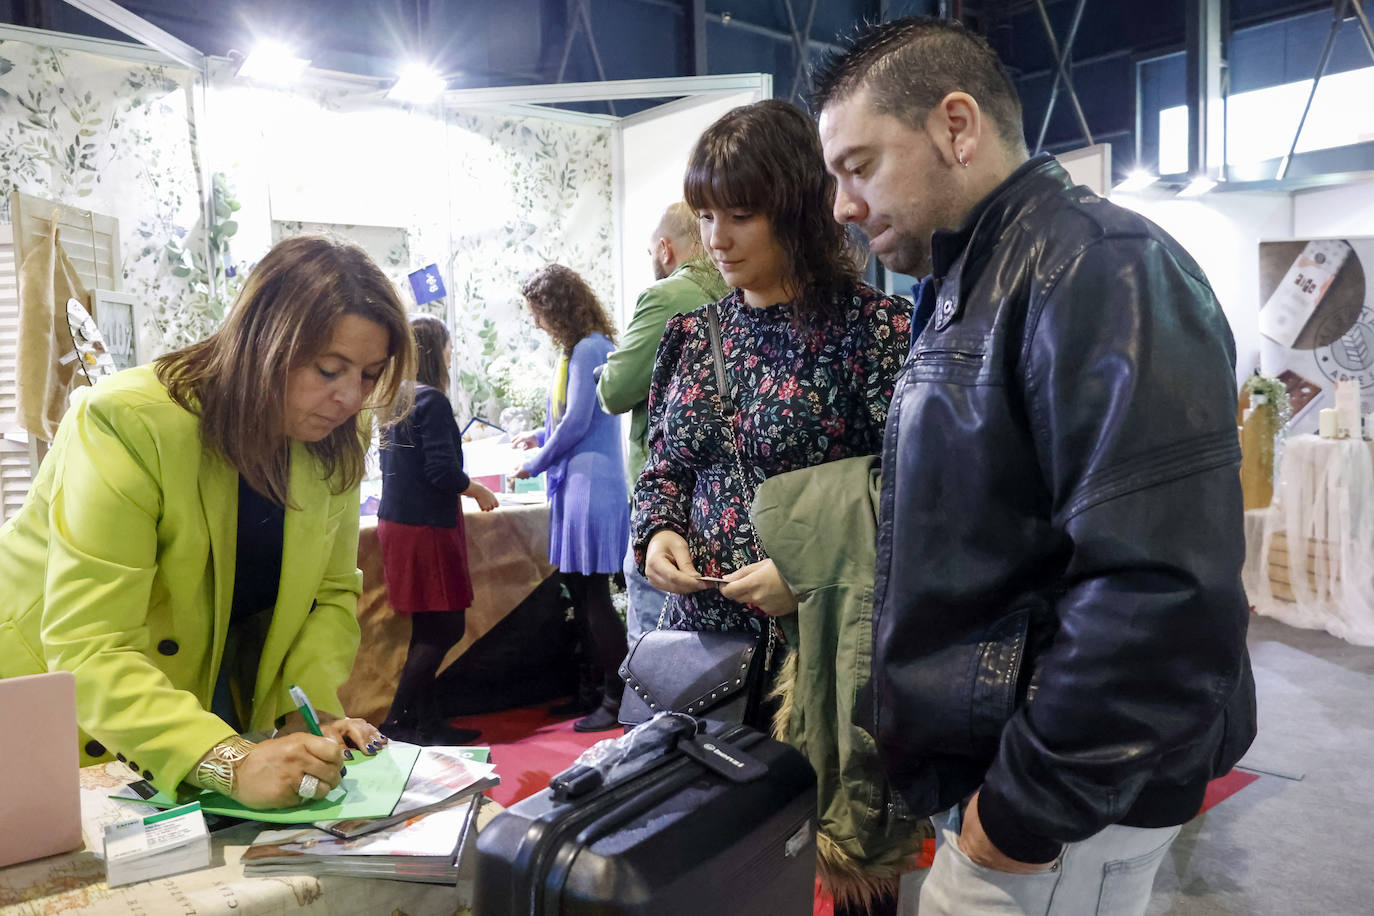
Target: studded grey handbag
714, 675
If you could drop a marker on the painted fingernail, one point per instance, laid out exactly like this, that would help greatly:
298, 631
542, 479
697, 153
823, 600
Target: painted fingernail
348, 755
343, 771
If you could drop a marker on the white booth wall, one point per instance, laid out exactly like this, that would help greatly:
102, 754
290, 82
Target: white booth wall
654, 150
1344, 210
1222, 231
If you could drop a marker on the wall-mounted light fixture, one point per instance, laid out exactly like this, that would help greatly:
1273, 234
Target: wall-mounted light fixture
1138, 180
417, 85
1197, 187
273, 63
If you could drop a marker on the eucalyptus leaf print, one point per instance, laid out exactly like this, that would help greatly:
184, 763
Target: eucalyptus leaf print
113, 137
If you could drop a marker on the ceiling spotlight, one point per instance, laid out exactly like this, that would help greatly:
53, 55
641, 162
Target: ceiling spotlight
1198, 186
273, 63
417, 85
1138, 180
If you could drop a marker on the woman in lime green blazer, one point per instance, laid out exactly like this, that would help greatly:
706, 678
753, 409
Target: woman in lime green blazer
121, 565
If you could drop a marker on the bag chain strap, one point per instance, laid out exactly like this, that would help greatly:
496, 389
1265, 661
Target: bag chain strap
728, 412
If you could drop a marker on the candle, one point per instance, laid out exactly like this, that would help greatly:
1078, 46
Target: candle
1348, 408
1328, 424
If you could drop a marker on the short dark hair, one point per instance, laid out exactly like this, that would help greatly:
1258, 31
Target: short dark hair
766, 158
431, 336
567, 304
909, 65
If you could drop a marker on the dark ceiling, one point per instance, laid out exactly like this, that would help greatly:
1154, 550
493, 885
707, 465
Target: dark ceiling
537, 41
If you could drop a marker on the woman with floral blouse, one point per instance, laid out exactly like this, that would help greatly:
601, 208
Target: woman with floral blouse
811, 355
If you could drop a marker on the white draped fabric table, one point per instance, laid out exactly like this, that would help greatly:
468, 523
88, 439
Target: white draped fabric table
1315, 564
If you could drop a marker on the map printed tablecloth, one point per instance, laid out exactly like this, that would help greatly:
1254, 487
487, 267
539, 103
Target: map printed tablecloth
73, 884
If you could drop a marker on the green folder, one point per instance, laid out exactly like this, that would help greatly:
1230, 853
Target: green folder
374, 785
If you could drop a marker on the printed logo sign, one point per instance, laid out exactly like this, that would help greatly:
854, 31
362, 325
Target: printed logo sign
427, 284
1317, 319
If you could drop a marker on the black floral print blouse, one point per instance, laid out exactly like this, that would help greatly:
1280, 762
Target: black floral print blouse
802, 398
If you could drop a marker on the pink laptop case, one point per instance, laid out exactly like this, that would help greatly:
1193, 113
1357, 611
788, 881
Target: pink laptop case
40, 782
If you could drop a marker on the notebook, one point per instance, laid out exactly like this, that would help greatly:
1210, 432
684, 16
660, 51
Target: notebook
40, 783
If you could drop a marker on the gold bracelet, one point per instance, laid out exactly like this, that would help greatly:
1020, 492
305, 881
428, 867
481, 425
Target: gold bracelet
216, 770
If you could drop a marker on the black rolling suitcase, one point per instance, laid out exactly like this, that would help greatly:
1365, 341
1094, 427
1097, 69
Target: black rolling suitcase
676, 838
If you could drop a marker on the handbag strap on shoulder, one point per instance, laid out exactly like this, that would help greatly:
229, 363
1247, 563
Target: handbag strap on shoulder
727, 403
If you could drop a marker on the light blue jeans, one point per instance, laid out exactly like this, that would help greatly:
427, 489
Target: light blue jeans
646, 602
1108, 874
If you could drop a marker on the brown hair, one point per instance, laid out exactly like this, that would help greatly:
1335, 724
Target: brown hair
909, 65
235, 380
431, 336
766, 158
567, 305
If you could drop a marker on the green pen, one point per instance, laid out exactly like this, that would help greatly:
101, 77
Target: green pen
312, 722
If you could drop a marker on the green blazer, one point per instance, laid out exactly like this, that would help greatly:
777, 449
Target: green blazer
120, 569
624, 381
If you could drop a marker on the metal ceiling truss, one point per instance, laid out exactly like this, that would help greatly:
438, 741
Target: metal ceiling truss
801, 46
142, 31
579, 17
1063, 72
1339, 14
1206, 86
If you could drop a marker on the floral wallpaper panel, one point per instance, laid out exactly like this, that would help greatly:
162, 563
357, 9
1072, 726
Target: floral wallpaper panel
114, 137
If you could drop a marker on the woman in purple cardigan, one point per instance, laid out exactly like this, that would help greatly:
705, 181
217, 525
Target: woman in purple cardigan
584, 464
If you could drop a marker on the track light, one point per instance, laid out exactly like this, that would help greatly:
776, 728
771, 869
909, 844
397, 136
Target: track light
1197, 187
1138, 180
273, 63
417, 85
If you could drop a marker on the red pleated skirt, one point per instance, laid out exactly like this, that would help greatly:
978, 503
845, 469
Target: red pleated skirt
426, 568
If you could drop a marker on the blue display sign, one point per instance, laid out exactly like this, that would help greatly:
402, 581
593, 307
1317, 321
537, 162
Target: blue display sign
427, 284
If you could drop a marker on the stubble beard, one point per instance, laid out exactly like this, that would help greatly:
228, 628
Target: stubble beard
910, 256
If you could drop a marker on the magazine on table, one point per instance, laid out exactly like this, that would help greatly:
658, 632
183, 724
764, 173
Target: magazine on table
425, 847
441, 777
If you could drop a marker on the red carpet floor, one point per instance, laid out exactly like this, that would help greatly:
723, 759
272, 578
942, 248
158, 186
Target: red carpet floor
528, 747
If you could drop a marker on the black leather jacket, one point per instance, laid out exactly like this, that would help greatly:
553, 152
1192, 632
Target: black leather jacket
1059, 618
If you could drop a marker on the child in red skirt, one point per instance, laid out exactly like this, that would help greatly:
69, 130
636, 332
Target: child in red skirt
424, 548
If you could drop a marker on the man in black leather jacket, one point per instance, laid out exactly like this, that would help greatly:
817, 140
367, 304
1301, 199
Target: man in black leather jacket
1059, 627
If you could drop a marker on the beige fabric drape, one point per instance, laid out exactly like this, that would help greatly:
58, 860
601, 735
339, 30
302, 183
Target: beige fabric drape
47, 280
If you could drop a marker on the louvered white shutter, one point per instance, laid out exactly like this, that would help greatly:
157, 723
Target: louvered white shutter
15, 459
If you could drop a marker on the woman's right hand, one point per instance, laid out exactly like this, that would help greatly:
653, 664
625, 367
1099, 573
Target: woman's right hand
486, 500
525, 441
270, 775
668, 564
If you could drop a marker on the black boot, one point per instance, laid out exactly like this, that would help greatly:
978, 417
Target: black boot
603, 719
607, 715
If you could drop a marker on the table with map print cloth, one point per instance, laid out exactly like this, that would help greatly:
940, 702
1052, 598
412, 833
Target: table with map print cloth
73, 883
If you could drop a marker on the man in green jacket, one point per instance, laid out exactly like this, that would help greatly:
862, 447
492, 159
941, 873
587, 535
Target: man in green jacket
686, 279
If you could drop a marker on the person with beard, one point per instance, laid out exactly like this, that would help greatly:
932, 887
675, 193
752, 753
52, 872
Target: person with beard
1059, 626
684, 279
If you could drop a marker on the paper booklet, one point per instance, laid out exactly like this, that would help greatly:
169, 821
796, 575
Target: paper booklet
441, 777
373, 787
426, 848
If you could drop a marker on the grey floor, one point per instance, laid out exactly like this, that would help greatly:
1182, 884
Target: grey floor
1299, 840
